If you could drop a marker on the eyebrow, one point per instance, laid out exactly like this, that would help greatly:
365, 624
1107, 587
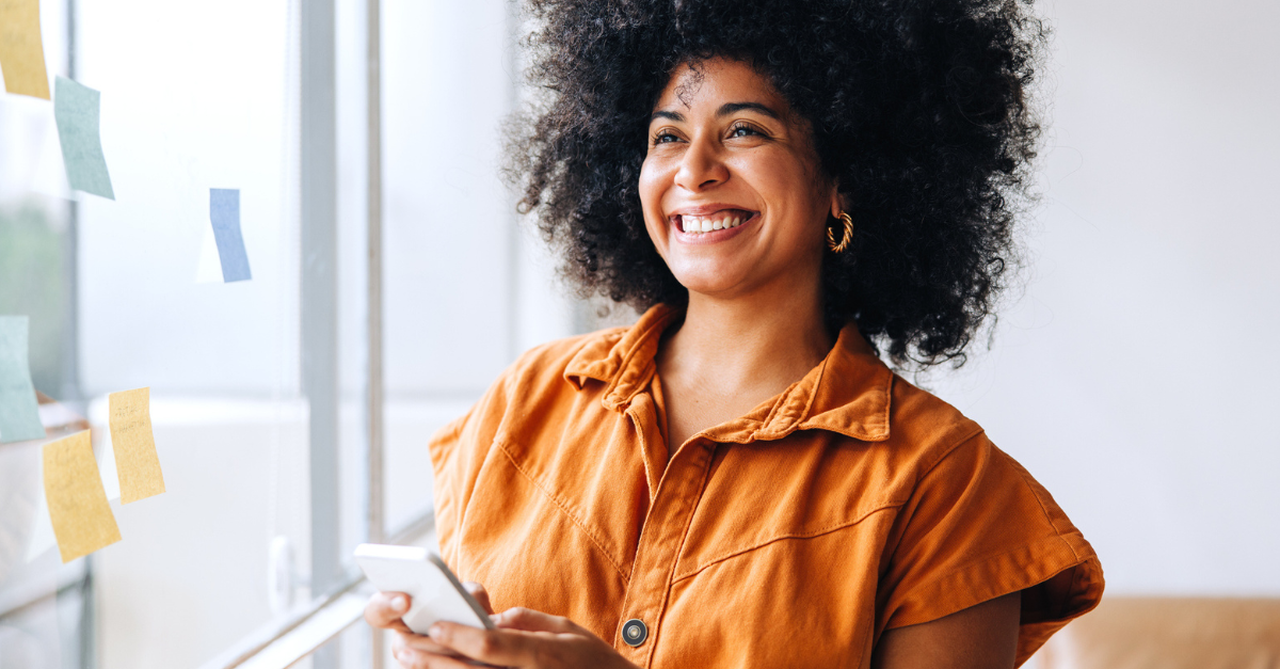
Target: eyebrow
733, 107
724, 110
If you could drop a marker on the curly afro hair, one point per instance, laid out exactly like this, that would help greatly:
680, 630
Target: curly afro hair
918, 108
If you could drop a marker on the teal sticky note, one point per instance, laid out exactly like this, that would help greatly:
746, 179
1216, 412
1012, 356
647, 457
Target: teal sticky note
19, 411
75, 109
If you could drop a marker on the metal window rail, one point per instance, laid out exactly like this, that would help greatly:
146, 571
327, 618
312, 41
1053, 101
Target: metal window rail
375, 512
281, 643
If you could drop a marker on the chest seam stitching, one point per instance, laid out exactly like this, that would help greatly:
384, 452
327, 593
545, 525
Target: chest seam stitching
561, 505
782, 537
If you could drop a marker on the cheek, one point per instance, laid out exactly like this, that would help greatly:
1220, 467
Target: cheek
792, 179
651, 189
652, 186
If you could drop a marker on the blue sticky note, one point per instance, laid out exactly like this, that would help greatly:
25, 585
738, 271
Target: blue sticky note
224, 212
19, 410
75, 110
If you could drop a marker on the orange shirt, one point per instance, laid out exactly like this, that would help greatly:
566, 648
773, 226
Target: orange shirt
850, 504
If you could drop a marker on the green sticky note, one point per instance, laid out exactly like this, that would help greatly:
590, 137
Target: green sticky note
19, 411
75, 109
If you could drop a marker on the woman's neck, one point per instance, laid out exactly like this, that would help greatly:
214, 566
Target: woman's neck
730, 355
740, 342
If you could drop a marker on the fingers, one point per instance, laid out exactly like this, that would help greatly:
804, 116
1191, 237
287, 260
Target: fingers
408, 656
536, 621
423, 643
500, 647
385, 609
550, 641
480, 594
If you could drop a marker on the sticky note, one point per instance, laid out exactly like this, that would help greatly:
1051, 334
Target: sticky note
224, 213
21, 50
78, 508
137, 464
75, 110
19, 410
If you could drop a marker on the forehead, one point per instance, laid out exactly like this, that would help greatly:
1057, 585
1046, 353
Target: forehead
715, 81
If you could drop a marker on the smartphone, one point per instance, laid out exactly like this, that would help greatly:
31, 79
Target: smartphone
434, 591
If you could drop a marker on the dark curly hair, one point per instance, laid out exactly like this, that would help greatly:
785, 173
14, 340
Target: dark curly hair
918, 107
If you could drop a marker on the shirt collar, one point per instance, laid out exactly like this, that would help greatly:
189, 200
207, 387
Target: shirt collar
847, 393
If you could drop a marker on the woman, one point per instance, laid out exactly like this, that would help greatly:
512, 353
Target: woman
789, 188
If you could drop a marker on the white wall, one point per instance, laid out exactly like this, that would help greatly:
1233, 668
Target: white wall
1136, 376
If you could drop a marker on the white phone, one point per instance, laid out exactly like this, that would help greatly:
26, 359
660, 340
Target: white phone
434, 592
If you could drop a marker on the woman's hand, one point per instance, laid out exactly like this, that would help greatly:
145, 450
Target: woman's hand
385, 610
524, 638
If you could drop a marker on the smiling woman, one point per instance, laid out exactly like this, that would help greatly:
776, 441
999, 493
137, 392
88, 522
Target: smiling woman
919, 111
726, 147
738, 479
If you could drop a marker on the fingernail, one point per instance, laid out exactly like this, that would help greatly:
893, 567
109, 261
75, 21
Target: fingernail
436, 632
399, 604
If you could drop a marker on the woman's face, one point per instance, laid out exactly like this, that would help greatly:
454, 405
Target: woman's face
732, 192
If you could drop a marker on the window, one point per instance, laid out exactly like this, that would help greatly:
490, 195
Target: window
259, 389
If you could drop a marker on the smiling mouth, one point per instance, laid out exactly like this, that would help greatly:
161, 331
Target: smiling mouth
721, 220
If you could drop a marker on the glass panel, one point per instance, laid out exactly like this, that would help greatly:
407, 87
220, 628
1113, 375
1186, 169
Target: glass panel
202, 96
449, 227
127, 293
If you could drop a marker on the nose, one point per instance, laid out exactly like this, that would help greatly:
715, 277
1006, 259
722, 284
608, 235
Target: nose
701, 166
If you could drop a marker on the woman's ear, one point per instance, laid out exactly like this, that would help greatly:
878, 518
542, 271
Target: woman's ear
839, 201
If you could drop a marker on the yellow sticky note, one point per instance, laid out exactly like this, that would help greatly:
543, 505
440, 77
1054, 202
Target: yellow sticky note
21, 49
82, 519
135, 448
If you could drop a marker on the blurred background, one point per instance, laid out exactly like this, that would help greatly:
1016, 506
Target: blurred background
1130, 371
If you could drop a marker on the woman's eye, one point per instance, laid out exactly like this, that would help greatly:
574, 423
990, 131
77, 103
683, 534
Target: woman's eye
664, 138
742, 131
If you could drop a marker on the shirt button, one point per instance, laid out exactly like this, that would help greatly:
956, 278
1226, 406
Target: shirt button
634, 632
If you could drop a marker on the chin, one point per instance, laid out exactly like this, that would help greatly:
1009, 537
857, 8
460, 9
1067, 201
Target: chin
707, 283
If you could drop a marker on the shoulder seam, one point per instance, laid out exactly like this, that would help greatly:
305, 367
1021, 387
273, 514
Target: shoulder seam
1023, 475
946, 453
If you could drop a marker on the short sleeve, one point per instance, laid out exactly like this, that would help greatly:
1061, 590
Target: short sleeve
458, 451
977, 526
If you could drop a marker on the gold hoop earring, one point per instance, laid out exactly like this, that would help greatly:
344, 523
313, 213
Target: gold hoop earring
848, 235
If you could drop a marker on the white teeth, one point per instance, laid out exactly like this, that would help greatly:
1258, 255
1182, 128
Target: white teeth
699, 224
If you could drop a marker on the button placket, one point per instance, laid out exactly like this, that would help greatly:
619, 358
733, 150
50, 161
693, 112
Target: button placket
660, 542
